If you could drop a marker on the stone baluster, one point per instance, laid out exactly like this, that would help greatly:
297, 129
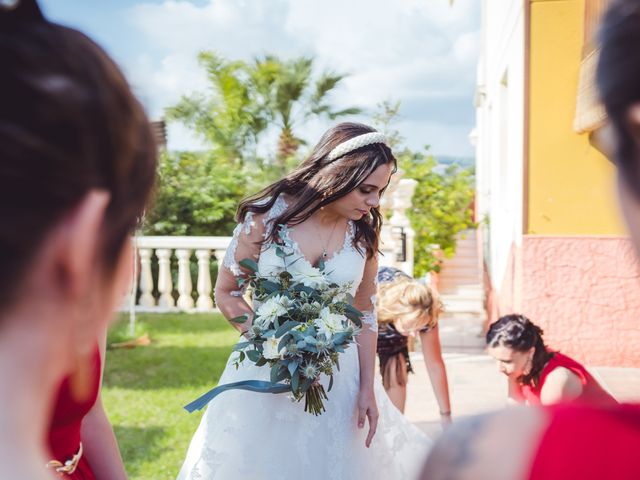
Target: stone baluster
185, 301
219, 254
146, 279
204, 302
401, 203
165, 284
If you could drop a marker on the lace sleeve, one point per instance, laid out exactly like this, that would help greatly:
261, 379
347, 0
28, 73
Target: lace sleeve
244, 244
365, 298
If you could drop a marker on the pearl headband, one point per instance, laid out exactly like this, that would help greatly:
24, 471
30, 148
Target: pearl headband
355, 143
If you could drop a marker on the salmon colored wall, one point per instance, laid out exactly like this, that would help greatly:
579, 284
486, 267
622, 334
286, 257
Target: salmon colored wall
570, 183
584, 292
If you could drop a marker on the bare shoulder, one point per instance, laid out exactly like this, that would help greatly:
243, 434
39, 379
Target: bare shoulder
496, 446
561, 384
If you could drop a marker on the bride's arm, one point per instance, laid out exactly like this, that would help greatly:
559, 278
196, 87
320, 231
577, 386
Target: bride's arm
228, 295
367, 340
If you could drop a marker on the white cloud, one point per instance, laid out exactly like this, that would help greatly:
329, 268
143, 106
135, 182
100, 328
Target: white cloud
408, 50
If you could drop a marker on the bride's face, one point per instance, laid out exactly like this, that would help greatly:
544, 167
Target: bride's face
357, 203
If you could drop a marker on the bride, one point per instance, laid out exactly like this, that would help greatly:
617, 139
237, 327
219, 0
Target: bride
330, 206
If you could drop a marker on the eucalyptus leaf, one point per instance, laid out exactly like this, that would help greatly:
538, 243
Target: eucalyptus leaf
274, 373
261, 362
241, 346
292, 367
253, 355
295, 381
269, 286
239, 319
249, 265
284, 341
285, 327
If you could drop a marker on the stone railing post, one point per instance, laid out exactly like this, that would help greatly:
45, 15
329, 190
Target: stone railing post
146, 280
185, 301
204, 281
165, 283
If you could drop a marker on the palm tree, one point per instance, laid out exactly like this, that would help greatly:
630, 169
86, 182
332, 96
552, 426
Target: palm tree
292, 96
230, 118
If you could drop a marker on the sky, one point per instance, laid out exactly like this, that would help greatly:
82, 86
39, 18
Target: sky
422, 53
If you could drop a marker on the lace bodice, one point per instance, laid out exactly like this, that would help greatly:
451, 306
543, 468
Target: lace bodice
349, 265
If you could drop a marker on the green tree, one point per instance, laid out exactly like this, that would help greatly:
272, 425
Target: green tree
231, 116
198, 194
441, 205
246, 98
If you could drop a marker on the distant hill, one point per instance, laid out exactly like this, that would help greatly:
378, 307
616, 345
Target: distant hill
448, 160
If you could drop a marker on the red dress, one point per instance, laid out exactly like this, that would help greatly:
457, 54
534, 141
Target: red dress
592, 391
589, 443
64, 433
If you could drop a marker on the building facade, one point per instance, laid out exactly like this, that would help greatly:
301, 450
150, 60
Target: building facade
554, 245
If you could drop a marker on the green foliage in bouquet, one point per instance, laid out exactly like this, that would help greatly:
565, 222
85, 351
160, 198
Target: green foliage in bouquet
302, 322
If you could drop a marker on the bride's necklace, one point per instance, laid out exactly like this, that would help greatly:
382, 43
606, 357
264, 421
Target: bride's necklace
325, 254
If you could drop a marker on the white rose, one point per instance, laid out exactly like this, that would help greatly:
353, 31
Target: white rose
329, 323
270, 349
303, 272
270, 310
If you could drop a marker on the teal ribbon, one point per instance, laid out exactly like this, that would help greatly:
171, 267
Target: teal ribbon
260, 386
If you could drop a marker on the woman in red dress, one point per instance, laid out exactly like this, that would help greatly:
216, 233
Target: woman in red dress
536, 375
77, 163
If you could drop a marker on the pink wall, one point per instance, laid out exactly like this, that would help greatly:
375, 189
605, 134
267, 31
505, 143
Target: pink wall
583, 291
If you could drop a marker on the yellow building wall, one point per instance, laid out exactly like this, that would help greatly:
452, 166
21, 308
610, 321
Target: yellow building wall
571, 186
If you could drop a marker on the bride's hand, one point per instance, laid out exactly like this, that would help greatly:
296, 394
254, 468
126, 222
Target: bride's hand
368, 408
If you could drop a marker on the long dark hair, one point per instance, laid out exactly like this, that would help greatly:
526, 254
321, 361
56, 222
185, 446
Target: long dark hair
618, 78
68, 124
319, 181
521, 334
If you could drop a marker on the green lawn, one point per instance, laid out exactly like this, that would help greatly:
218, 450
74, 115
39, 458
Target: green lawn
145, 388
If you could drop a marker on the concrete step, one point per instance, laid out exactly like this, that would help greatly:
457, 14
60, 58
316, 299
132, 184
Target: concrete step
459, 280
463, 306
456, 272
466, 249
472, 292
446, 286
463, 321
461, 290
464, 260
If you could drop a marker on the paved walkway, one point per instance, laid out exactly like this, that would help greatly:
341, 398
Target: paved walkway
476, 386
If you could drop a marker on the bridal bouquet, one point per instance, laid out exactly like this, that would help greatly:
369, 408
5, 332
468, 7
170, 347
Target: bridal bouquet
302, 323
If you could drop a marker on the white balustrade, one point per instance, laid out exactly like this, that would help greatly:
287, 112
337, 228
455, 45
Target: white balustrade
164, 249
204, 281
146, 280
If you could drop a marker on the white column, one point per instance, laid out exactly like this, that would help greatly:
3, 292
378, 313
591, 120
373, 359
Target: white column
165, 284
185, 301
401, 202
204, 302
146, 279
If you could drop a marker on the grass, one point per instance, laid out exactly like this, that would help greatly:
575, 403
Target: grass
145, 388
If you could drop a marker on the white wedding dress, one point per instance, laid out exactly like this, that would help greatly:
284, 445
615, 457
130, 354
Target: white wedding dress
263, 436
